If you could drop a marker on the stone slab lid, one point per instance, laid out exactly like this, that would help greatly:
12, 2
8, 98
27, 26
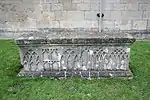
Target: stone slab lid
75, 37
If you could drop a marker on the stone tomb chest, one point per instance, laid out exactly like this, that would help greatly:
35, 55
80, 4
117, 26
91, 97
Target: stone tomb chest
66, 53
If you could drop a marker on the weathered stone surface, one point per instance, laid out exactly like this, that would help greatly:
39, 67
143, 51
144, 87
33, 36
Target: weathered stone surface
116, 15
83, 6
108, 6
91, 15
16, 33
139, 25
75, 15
82, 74
95, 6
146, 15
91, 1
56, 7
61, 15
132, 15
35, 13
148, 25
65, 53
123, 24
144, 7
77, 37
120, 7
76, 1
108, 25
132, 6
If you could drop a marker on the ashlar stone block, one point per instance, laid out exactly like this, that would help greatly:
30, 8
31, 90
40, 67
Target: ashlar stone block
139, 25
123, 24
144, 7
56, 7
83, 6
108, 25
61, 15
91, 15
95, 6
146, 15
51, 1
75, 15
91, 1
77, 1
134, 15
116, 15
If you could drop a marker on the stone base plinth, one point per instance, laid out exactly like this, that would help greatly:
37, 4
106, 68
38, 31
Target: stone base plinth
82, 74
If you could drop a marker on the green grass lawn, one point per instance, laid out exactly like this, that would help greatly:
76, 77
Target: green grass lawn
14, 88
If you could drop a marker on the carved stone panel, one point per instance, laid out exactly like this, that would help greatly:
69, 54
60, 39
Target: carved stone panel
75, 59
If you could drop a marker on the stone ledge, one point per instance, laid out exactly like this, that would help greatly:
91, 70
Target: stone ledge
79, 40
67, 36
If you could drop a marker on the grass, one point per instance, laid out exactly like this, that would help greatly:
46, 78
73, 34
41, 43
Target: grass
14, 88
